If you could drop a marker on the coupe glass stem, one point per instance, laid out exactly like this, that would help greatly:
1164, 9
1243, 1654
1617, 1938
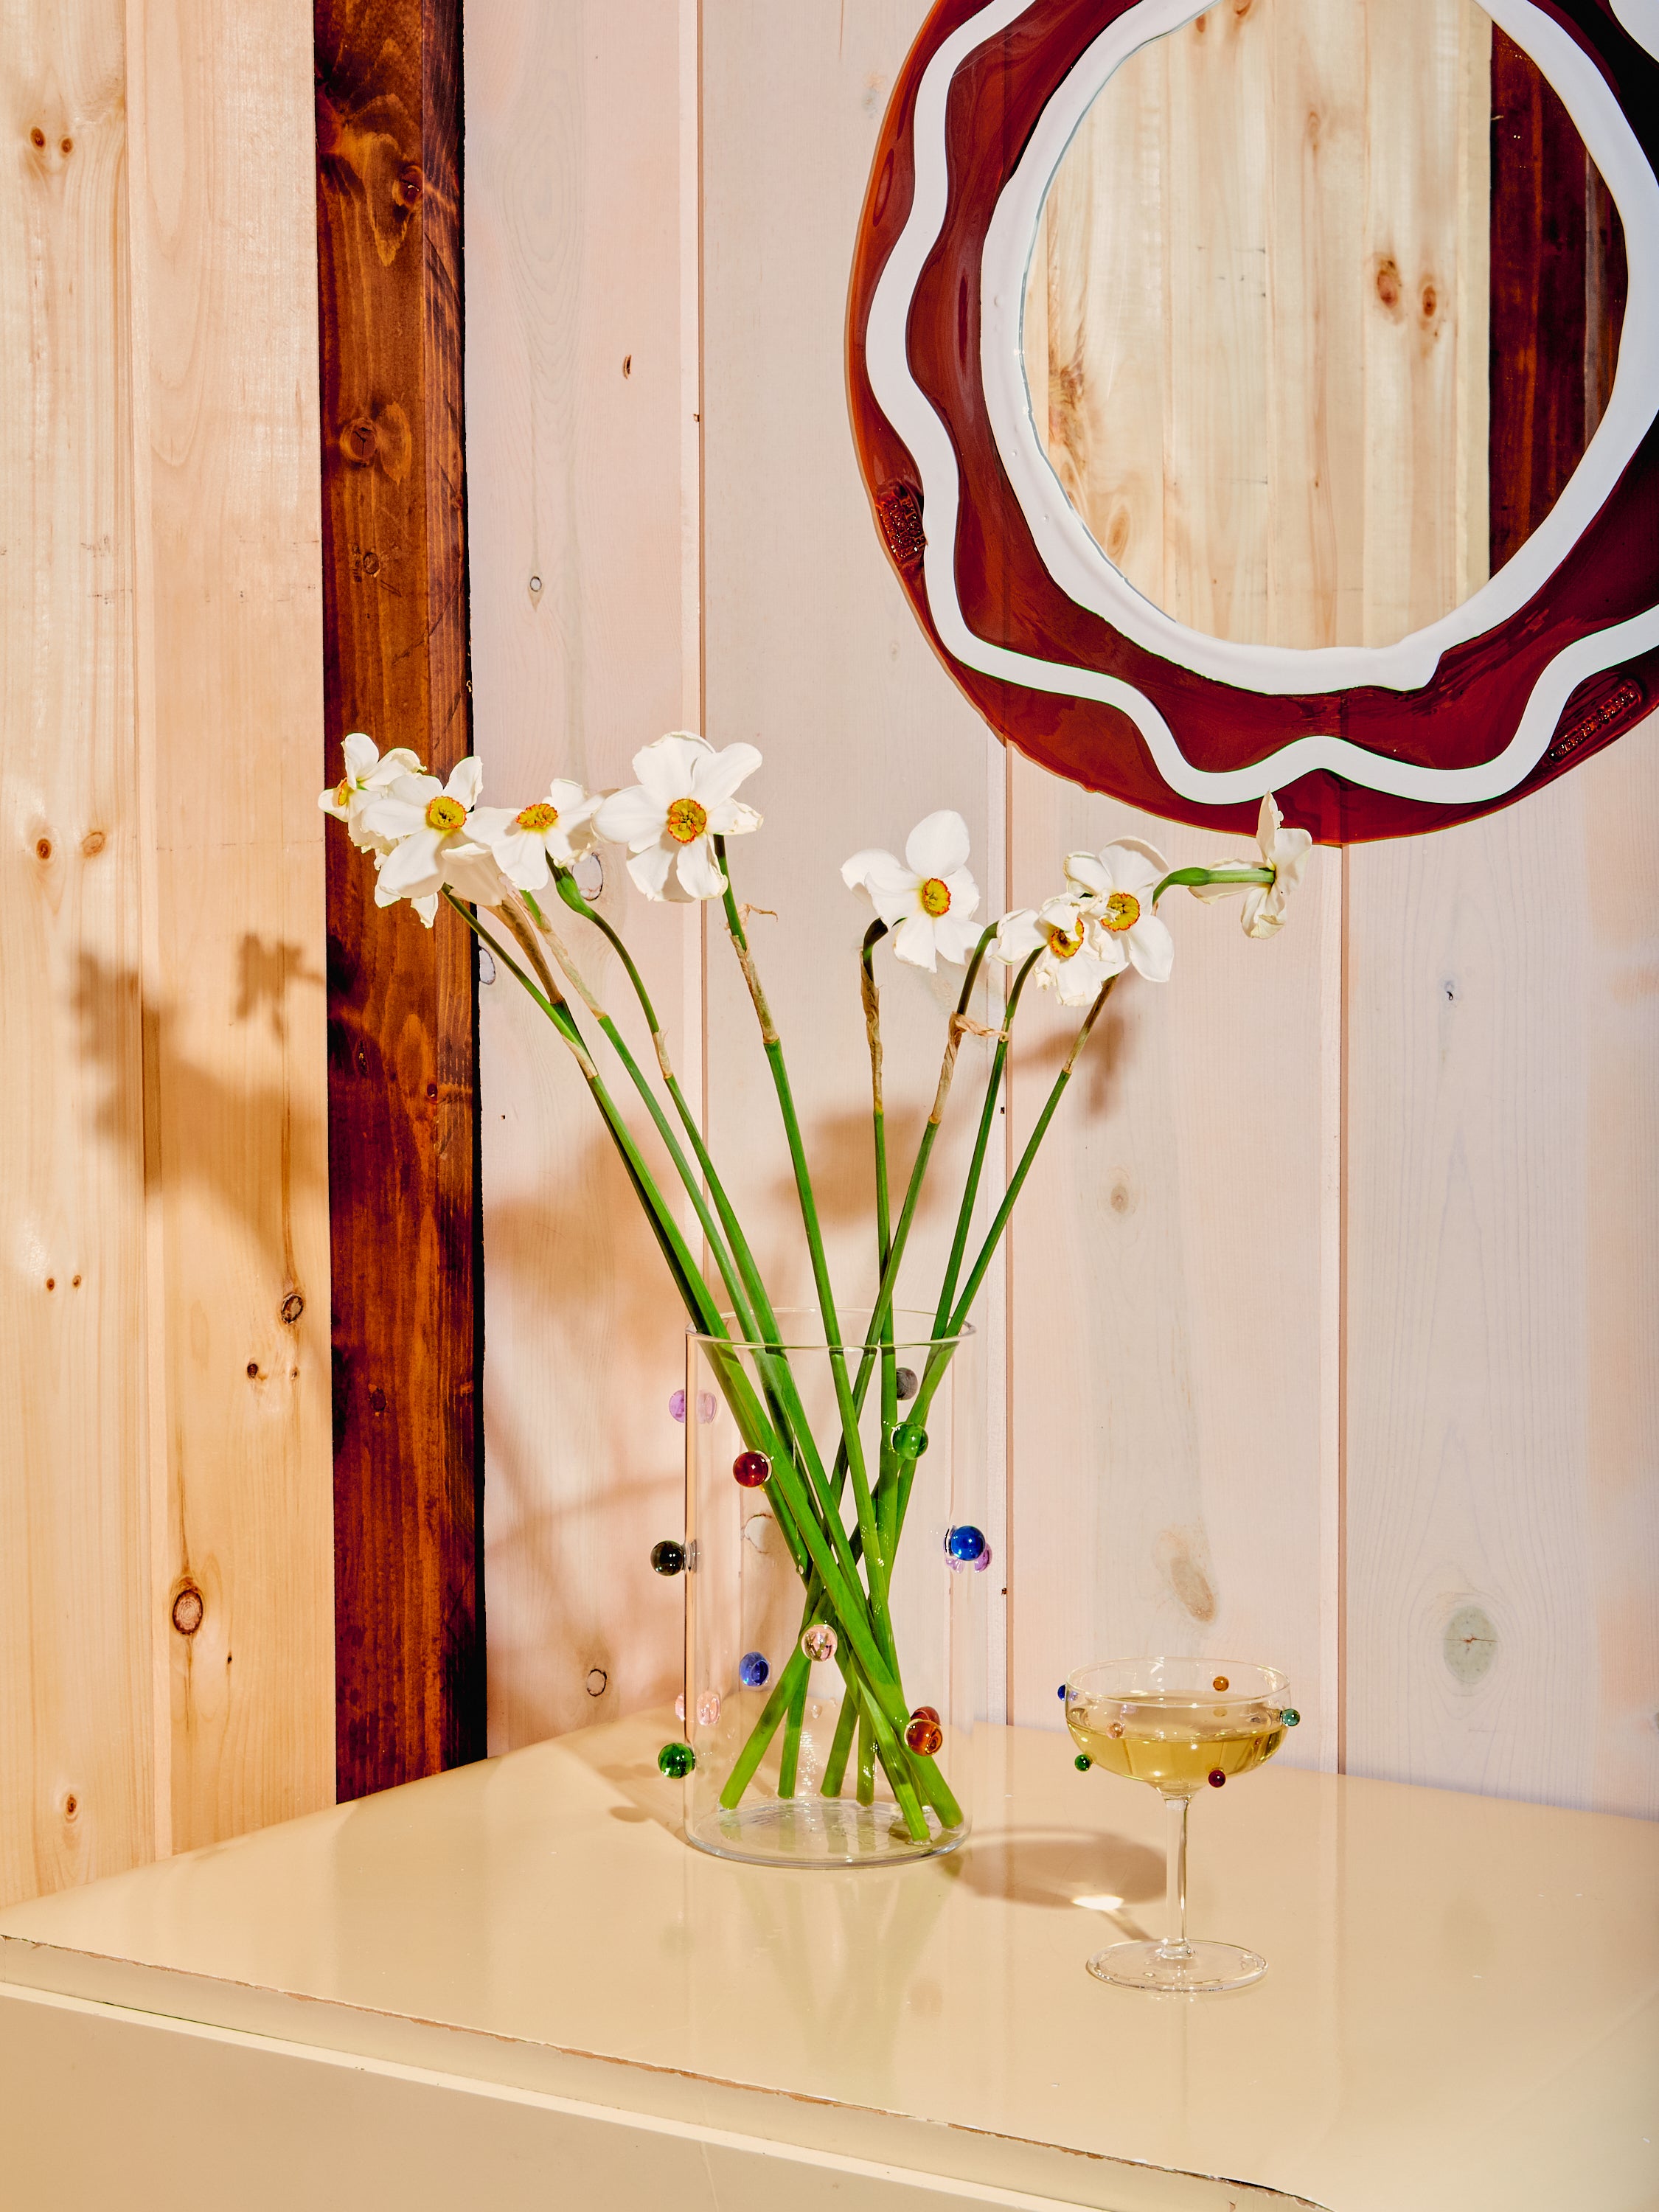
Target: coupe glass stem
1174, 1944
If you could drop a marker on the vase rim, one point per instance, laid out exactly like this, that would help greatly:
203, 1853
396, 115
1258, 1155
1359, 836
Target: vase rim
912, 1332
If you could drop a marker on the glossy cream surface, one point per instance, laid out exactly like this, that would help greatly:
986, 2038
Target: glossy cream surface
1461, 2010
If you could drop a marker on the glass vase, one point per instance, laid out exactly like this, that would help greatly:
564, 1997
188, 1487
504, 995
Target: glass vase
830, 1703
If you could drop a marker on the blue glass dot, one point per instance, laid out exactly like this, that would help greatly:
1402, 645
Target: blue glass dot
1290, 1718
1060, 1692
964, 1544
753, 1669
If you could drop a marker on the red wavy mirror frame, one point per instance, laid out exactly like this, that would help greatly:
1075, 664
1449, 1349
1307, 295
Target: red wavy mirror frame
1551, 660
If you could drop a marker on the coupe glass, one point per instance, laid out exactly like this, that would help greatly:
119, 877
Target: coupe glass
1180, 1725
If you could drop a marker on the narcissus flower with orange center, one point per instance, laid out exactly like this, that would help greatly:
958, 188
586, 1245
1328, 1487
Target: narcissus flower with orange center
683, 800
929, 899
1285, 852
426, 826
1068, 963
1114, 888
368, 777
555, 830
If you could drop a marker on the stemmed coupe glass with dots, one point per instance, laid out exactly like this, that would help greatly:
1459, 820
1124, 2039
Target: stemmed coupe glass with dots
1182, 1726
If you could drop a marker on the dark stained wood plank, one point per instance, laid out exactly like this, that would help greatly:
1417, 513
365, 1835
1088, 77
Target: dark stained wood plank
403, 1122
1558, 297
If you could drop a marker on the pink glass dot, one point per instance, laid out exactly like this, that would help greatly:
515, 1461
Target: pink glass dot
708, 1708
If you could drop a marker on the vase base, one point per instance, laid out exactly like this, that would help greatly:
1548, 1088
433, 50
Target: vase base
818, 1831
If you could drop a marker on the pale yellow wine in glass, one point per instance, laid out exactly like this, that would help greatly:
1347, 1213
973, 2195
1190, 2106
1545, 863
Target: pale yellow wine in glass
1181, 1726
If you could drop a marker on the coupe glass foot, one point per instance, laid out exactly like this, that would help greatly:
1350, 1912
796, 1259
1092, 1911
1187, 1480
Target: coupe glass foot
1194, 1970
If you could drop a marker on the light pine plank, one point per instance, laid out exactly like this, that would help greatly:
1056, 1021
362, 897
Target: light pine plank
1171, 1276
229, 704
812, 653
1503, 1523
75, 1748
581, 450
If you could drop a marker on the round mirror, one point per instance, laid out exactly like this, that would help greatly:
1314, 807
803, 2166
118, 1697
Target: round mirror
1315, 335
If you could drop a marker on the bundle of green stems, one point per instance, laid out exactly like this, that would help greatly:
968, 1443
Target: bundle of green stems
845, 1571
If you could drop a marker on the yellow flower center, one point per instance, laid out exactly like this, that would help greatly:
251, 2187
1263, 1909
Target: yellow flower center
538, 817
1062, 943
686, 821
445, 813
1122, 912
343, 791
935, 898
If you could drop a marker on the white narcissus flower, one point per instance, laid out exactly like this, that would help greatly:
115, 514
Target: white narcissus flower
1068, 964
1115, 886
928, 898
426, 825
368, 777
1285, 852
555, 829
683, 799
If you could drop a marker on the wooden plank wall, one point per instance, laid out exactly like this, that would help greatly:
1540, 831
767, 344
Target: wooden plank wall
165, 1661
1328, 1311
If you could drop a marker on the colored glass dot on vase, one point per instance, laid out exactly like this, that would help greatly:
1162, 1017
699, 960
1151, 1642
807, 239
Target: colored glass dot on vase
1060, 1692
909, 1440
1083, 1762
819, 1641
983, 1561
706, 1409
709, 1709
668, 1558
679, 1709
927, 1713
753, 1669
904, 1383
677, 1760
1220, 1683
1290, 1716
676, 1406
1217, 1779
924, 1737
751, 1468
964, 1544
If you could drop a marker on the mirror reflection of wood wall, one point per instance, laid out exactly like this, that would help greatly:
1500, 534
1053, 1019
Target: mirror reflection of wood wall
1325, 303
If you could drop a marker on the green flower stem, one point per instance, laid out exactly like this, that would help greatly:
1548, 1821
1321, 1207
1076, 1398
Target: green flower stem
1188, 878
940, 1358
786, 1770
981, 1144
866, 1774
835, 1769
874, 1561
749, 1758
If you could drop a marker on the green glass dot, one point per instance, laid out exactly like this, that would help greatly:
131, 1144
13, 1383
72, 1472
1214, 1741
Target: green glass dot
1083, 1762
677, 1760
909, 1440
1290, 1716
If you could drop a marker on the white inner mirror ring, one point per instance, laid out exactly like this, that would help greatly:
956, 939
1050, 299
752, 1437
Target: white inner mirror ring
1262, 335
1081, 570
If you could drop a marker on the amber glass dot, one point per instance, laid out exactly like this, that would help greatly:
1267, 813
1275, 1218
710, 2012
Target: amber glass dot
924, 1737
751, 1468
1220, 1683
925, 1713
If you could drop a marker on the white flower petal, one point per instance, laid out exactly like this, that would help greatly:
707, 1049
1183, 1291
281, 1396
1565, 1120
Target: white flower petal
523, 858
466, 780
964, 894
415, 790
1083, 869
471, 872
1133, 867
1151, 948
855, 871
1018, 936
699, 877
631, 816
412, 867
1108, 948
666, 768
717, 775
330, 803
427, 907
955, 935
649, 869
571, 803
731, 818
1079, 981
394, 818
938, 845
360, 753
390, 766
914, 944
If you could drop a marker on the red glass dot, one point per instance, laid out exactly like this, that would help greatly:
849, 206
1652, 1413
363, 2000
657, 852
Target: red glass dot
925, 1713
751, 1468
924, 1736
1217, 1777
